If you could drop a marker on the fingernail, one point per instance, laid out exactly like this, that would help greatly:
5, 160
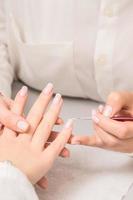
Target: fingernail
95, 119
107, 111
56, 99
23, 92
101, 108
47, 90
22, 125
69, 124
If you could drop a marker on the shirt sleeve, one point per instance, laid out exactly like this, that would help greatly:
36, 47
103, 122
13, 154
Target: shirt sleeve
14, 184
6, 69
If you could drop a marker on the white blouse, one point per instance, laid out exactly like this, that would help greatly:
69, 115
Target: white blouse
85, 47
14, 185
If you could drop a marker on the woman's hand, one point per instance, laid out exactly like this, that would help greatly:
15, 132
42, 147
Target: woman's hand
28, 151
108, 133
9, 119
14, 121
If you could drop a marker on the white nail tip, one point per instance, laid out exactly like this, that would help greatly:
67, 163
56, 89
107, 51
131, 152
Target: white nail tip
100, 108
57, 99
48, 88
24, 90
107, 112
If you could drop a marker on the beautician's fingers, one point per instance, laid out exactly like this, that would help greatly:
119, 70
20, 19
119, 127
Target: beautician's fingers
45, 127
37, 111
117, 101
101, 108
108, 141
114, 144
92, 140
11, 120
121, 130
20, 101
53, 151
18, 107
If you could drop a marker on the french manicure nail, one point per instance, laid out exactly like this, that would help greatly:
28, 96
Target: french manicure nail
69, 123
47, 90
108, 111
56, 99
101, 108
24, 90
22, 125
95, 119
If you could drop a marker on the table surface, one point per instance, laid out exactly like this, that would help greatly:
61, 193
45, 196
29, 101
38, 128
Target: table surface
90, 173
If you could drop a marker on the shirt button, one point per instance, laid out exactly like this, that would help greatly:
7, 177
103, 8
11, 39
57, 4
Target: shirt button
109, 12
101, 60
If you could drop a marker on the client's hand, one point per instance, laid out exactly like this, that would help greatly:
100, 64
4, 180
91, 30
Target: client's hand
28, 151
9, 119
111, 134
12, 120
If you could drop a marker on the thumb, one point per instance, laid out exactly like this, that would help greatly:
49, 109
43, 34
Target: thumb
116, 101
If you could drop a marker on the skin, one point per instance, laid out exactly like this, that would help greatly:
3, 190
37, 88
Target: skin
12, 115
36, 159
10, 119
110, 134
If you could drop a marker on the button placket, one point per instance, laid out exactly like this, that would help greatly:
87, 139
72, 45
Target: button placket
105, 47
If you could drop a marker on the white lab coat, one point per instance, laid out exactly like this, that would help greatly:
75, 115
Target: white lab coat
84, 47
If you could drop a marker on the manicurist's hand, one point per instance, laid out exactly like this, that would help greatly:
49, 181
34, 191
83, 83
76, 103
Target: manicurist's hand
110, 134
30, 151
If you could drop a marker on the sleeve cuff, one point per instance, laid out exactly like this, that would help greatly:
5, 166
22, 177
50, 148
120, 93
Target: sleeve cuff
14, 184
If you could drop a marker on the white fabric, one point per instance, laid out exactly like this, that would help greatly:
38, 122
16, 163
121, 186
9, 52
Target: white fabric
83, 47
14, 185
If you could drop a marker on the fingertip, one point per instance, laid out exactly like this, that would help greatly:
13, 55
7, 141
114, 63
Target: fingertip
107, 112
101, 108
